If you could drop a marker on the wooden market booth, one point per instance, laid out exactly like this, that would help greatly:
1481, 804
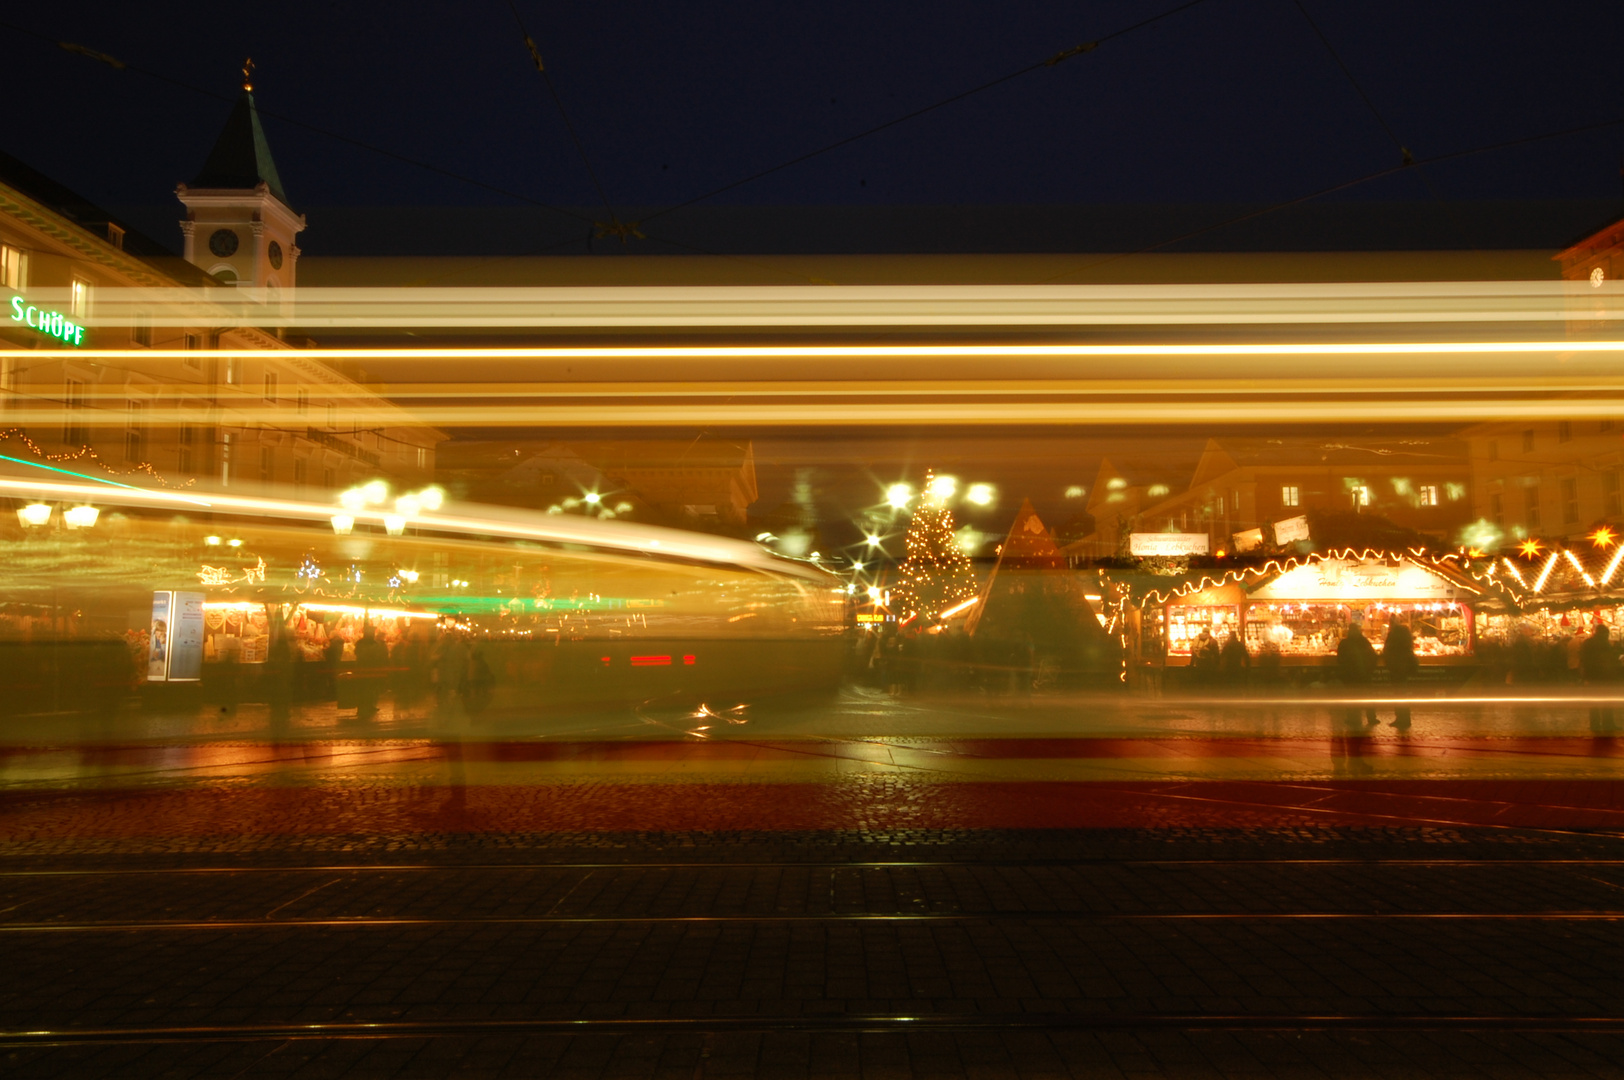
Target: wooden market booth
1300, 609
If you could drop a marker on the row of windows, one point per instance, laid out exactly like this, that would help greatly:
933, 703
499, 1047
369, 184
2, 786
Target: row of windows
1567, 498
1564, 433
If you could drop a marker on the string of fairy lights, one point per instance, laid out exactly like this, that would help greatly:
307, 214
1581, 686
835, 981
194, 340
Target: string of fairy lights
935, 573
85, 453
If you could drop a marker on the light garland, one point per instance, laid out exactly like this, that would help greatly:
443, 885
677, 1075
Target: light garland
1280, 566
86, 451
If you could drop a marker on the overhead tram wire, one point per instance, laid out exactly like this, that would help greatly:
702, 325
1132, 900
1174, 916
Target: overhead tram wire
1407, 158
624, 231
1052, 61
120, 65
1509, 144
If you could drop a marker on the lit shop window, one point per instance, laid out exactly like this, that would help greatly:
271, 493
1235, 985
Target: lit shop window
13, 267
79, 299
1290, 496
1428, 494
1361, 494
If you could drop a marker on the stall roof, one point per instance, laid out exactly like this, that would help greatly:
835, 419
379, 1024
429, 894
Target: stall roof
1446, 577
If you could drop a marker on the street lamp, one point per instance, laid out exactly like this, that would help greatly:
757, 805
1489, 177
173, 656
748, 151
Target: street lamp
342, 524
34, 515
80, 517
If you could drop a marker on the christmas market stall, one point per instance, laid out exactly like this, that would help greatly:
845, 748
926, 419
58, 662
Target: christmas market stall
1561, 594
1291, 614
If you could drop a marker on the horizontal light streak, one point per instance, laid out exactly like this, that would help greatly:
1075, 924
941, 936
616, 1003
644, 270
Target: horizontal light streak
863, 305
607, 536
923, 352
857, 413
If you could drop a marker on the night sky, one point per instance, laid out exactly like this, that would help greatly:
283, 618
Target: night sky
1228, 102
1231, 101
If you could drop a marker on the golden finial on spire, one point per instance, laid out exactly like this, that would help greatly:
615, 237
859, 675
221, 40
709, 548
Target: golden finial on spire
248, 73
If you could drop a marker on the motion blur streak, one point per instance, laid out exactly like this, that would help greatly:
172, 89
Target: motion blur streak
872, 305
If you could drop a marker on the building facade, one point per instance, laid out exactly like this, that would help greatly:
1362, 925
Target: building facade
244, 405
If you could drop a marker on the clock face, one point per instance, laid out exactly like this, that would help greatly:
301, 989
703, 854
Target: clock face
275, 254
223, 242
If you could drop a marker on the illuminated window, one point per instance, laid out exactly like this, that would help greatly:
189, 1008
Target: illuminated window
1609, 493
233, 370
79, 299
1290, 496
1428, 494
1570, 499
1235, 500
225, 458
13, 267
1531, 506
135, 431
1360, 494
423, 458
73, 401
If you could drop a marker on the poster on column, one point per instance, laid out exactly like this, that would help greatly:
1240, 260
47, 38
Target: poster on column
158, 636
186, 637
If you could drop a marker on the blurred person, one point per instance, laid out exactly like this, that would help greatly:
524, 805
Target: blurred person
1268, 663
1398, 657
371, 668
450, 670
1598, 663
480, 684
1355, 664
1524, 657
1234, 660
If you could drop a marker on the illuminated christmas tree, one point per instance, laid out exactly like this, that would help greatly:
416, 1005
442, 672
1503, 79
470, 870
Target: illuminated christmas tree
935, 574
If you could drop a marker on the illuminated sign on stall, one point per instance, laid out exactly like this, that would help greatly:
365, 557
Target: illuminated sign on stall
50, 323
1168, 544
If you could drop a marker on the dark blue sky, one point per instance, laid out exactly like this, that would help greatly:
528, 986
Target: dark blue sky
1231, 101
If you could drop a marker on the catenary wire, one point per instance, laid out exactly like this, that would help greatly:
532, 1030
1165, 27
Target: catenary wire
119, 65
1052, 61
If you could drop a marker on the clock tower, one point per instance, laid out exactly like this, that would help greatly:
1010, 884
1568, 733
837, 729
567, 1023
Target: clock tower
239, 226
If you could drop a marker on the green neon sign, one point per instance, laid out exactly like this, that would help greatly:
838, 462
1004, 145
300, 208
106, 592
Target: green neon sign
50, 323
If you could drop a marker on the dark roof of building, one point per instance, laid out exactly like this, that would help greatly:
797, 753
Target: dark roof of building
241, 157
27, 180
73, 206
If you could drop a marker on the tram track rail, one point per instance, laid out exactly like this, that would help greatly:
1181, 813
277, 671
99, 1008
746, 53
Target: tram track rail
806, 864
843, 1023
435, 922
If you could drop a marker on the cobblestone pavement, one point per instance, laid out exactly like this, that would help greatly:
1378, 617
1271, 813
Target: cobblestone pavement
950, 904
1396, 952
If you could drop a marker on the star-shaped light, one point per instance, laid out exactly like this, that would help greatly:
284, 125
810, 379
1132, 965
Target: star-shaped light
1603, 536
1530, 548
